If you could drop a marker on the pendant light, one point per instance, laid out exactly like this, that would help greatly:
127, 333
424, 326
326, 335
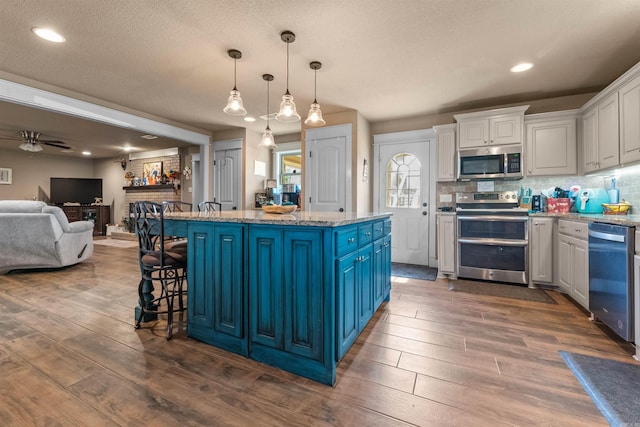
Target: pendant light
314, 118
287, 111
267, 140
234, 103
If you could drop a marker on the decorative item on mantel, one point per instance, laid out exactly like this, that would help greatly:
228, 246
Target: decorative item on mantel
128, 178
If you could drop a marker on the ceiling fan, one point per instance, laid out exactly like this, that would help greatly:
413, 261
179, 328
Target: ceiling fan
31, 141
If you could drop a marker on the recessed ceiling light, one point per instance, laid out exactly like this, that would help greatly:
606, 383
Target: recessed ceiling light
86, 153
249, 119
48, 34
524, 66
149, 137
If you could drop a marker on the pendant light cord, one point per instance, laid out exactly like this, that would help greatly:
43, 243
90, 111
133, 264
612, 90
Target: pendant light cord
268, 105
315, 86
234, 73
287, 68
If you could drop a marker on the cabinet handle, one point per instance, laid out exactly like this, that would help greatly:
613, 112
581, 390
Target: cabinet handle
485, 142
379, 230
577, 230
351, 240
368, 234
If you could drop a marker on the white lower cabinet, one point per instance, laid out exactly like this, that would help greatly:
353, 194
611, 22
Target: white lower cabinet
573, 260
541, 249
446, 244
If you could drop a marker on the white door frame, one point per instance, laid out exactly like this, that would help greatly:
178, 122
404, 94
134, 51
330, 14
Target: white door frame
423, 135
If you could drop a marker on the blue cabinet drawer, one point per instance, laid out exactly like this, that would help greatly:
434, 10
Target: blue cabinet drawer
378, 230
365, 234
387, 226
346, 241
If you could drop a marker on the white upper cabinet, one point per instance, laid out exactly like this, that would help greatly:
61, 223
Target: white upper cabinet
494, 127
600, 138
551, 144
446, 152
629, 97
610, 125
608, 132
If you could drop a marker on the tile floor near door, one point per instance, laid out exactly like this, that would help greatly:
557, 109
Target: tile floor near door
69, 355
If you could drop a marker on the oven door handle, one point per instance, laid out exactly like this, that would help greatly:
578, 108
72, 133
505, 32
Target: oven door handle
494, 242
493, 218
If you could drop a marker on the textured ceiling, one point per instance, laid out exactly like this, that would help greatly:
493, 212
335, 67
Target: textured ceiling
385, 58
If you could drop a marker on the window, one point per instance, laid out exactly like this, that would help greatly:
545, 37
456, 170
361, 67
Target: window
403, 181
290, 167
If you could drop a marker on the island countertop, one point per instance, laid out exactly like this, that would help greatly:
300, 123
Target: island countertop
303, 218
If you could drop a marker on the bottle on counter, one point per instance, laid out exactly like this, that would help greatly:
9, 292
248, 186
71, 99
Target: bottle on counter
614, 193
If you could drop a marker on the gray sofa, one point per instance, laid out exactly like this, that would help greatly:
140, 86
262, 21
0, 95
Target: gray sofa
35, 235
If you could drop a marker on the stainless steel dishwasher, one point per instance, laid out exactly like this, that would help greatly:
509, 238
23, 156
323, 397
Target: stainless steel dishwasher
611, 276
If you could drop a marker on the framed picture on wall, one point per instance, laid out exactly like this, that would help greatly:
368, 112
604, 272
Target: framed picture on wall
151, 173
5, 175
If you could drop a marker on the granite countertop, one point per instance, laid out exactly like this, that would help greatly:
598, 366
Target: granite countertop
628, 220
316, 219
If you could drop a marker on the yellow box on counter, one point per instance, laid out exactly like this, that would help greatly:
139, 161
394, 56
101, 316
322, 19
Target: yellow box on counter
558, 205
616, 208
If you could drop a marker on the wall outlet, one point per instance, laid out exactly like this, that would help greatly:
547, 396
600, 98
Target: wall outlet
445, 198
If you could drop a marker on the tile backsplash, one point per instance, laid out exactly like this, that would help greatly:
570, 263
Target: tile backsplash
627, 183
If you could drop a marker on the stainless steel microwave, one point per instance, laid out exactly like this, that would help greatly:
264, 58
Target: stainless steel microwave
490, 162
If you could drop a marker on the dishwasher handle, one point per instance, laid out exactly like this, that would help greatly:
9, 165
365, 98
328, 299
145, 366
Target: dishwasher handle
607, 236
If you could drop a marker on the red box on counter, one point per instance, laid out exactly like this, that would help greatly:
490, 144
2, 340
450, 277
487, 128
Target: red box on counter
558, 205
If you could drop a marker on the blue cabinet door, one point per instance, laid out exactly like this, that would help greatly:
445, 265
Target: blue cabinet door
378, 272
286, 290
365, 285
386, 266
217, 301
304, 289
347, 302
266, 293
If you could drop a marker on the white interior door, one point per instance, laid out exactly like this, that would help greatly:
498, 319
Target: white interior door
328, 169
403, 190
227, 177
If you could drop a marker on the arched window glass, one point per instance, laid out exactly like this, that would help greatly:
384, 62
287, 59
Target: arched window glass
403, 181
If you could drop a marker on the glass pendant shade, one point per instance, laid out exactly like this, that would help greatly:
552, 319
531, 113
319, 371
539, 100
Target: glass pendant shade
267, 140
234, 104
287, 111
314, 118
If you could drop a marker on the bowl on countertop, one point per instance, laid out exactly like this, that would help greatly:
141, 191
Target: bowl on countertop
279, 209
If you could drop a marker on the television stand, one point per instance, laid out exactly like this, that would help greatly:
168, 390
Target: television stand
100, 215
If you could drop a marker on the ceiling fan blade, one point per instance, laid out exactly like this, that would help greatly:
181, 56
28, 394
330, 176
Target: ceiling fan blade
49, 141
55, 144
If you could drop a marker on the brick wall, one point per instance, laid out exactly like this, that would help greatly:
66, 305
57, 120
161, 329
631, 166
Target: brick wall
155, 195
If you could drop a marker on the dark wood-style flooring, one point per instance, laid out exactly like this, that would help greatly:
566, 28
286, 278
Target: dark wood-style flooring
70, 356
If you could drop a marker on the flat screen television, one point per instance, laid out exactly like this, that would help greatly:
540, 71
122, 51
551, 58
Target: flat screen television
75, 190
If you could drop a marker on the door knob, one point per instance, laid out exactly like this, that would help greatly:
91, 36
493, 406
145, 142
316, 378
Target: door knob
341, 210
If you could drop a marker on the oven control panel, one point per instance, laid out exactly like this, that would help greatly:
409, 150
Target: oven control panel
488, 197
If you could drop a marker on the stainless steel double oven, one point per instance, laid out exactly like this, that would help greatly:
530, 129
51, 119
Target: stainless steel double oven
493, 240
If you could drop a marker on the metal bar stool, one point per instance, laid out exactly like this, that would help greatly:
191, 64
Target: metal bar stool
158, 264
209, 206
176, 206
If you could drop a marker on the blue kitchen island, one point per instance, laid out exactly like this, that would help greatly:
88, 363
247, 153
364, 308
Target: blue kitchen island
290, 290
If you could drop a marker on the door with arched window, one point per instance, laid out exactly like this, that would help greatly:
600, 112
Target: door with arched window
403, 189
